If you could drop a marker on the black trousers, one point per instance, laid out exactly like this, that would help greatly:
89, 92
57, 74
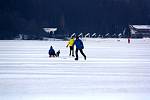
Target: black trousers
71, 50
81, 51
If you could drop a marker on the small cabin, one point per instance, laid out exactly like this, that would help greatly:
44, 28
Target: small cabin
140, 31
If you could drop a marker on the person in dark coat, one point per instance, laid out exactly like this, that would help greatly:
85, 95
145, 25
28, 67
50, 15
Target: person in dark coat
79, 47
51, 52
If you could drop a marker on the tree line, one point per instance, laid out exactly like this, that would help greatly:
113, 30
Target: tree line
102, 16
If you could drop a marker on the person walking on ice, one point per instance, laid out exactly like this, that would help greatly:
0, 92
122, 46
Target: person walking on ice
71, 46
79, 46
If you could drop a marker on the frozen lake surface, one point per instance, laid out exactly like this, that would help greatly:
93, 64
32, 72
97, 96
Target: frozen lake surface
114, 70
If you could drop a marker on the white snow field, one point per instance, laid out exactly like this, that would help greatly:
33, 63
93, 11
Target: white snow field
114, 70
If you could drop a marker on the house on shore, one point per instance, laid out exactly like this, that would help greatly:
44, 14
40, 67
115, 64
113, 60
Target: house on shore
140, 31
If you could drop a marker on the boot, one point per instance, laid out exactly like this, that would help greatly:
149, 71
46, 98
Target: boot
76, 58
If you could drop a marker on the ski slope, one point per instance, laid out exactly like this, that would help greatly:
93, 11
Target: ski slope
114, 70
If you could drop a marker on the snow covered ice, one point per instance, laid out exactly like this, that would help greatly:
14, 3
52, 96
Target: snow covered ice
114, 70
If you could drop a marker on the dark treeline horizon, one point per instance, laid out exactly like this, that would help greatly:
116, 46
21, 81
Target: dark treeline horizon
69, 16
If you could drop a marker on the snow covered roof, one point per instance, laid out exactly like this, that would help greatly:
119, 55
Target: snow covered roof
147, 27
48, 30
140, 29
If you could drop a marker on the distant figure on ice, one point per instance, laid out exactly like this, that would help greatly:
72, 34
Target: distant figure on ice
79, 46
51, 52
71, 46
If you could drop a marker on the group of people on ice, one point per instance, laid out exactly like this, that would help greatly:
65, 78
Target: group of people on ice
79, 47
